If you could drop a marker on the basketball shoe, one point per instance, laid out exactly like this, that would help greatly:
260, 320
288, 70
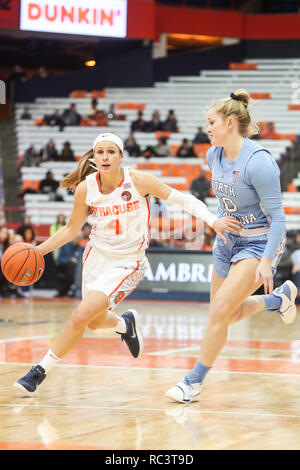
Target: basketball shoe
133, 336
288, 293
184, 393
29, 383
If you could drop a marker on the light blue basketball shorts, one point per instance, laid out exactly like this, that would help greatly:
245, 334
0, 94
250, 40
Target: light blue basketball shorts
238, 248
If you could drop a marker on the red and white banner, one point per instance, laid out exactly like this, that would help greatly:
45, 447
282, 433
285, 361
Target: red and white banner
92, 18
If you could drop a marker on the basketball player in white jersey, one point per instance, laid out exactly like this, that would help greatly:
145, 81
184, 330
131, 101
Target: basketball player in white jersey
115, 201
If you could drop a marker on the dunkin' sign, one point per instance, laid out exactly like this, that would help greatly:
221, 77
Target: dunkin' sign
92, 18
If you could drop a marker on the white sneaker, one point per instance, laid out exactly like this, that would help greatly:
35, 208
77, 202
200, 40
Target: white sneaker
184, 393
288, 293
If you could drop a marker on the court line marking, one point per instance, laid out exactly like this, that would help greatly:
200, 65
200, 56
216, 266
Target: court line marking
159, 369
121, 408
248, 358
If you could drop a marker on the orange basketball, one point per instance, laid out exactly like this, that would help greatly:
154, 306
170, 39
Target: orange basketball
22, 264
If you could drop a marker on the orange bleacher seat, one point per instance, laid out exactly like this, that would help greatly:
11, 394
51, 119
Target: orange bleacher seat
32, 184
159, 134
79, 94
137, 106
294, 107
39, 122
291, 137
292, 188
168, 169
290, 210
174, 149
201, 149
242, 66
260, 96
98, 94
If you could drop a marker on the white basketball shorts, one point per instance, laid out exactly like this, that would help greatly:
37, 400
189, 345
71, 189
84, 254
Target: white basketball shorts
115, 277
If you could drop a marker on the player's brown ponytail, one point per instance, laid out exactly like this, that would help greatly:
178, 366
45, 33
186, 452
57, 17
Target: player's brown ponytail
82, 170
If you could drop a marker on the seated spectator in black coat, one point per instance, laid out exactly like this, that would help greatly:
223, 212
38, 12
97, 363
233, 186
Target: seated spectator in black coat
49, 152
155, 124
49, 184
55, 119
185, 150
170, 124
67, 154
70, 116
201, 137
139, 125
200, 186
26, 113
132, 147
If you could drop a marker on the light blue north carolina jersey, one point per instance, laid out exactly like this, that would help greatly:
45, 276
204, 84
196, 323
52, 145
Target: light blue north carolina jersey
249, 189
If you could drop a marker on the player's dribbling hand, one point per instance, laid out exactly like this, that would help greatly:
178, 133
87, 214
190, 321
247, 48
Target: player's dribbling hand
227, 224
264, 273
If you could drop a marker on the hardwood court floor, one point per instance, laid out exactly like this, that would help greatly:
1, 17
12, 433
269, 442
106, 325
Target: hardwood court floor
101, 398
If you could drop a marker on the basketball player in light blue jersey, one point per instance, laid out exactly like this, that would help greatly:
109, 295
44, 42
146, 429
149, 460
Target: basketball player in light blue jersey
245, 179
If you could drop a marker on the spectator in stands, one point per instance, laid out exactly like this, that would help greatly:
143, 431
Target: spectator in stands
70, 116
26, 222
201, 137
59, 223
155, 124
170, 124
99, 118
42, 72
31, 157
139, 125
85, 234
48, 185
269, 132
131, 146
162, 149
29, 235
54, 119
185, 150
200, 186
26, 113
111, 114
49, 152
67, 154
148, 152
68, 257
18, 74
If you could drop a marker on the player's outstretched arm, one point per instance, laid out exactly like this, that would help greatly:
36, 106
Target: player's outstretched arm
72, 228
149, 184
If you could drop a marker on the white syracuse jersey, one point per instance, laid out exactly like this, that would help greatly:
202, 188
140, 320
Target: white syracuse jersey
120, 220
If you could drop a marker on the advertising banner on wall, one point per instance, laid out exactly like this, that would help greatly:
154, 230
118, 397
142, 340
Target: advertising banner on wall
177, 274
93, 18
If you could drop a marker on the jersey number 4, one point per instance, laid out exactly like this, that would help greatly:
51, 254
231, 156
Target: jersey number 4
115, 226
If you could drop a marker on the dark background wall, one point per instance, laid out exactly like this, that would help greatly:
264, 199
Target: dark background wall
136, 68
